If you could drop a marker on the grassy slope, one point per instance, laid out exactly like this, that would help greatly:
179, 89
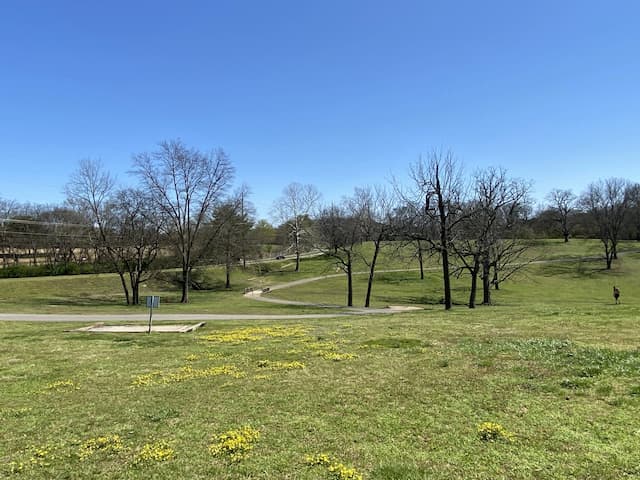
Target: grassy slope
555, 363
103, 293
580, 281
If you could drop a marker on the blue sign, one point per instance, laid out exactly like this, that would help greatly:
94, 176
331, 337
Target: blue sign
153, 301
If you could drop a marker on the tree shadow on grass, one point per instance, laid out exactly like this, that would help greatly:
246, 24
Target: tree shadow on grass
83, 300
591, 268
434, 299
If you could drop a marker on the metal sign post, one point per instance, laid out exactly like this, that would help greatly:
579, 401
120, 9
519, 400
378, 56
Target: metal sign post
152, 302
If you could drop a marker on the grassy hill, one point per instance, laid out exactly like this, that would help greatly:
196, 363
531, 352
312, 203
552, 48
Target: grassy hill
542, 385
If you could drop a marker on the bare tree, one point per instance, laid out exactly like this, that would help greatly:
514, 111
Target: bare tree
185, 185
67, 235
133, 231
633, 226
607, 202
337, 234
440, 189
471, 246
374, 208
293, 208
88, 190
7, 208
413, 229
562, 203
16, 231
488, 226
127, 226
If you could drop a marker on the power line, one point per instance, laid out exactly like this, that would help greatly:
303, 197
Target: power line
37, 222
39, 234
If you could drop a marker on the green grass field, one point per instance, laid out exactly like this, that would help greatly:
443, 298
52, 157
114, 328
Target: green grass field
553, 366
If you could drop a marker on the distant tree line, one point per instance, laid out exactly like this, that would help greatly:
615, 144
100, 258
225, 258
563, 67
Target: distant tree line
182, 214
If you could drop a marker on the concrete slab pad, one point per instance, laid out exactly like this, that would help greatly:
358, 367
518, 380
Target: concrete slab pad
102, 328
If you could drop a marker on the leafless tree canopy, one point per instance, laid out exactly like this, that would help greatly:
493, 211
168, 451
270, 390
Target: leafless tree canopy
374, 207
185, 185
89, 188
607, 202
337, 233
439, 184
128, 228
294, 206
474, 224
489, 230
562, 203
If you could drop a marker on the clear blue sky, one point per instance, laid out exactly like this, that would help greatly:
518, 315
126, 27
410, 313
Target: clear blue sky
334, 93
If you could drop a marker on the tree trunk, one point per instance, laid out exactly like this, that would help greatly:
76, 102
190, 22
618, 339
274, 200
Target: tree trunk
474, 281
446, 279
486, 284
124, 287
376, 249
420, 261
566, 237
349, 282
474, 287
186, 278
135, 289
608, 255
444, 245
296, 241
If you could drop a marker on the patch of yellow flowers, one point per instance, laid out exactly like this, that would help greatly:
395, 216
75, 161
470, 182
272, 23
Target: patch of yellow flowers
184, 374
327, 350
490, 432
337, 470
252, 334
159, 451
275, 365
61, 386
106, 444
234, 444
36, 456
338, 357
316, 345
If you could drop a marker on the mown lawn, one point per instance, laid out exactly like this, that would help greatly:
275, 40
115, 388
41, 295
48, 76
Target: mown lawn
553, 366
393, 397
553, 280
103, 293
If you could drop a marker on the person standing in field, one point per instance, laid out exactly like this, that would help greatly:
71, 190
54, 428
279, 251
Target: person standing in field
616, 294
